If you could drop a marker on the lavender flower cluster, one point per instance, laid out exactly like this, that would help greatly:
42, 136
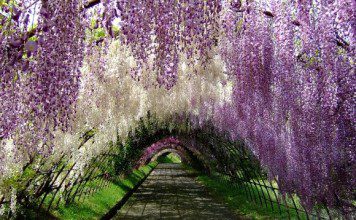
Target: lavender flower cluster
291, 64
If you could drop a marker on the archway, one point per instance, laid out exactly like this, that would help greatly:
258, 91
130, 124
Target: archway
166, 153
187, 152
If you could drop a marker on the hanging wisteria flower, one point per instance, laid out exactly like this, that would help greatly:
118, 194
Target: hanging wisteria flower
278, 74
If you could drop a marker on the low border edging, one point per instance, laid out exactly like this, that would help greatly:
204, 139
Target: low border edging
113, 211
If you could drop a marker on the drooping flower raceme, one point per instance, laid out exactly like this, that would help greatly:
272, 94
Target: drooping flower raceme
294, 70
283, 79
39, 70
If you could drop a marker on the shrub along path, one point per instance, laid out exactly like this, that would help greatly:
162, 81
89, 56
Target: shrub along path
170, 192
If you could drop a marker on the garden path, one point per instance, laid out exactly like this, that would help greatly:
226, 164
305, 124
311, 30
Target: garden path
170, 192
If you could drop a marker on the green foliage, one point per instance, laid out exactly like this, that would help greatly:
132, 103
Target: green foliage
146, 132
99, 33
18, 180
232, 158
98, 204
94, 35
235, 196
170, 158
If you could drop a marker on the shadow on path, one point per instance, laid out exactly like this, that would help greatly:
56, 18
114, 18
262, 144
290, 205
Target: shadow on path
170, 192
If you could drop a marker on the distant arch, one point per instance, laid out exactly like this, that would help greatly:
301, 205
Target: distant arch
188, 154
168, 151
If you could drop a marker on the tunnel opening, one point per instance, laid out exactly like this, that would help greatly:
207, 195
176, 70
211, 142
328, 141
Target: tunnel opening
186, 153
205, 149
167, 156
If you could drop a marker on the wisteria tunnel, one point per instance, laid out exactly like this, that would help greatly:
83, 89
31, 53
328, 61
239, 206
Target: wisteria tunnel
177, 109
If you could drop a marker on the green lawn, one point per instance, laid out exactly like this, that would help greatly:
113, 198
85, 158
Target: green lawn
236, 198
170, 158
98, 204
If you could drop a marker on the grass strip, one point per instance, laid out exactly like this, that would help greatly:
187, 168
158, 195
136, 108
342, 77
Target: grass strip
235, 197
97, 205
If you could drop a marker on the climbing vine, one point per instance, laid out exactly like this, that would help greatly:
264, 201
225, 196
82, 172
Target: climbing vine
278, 75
